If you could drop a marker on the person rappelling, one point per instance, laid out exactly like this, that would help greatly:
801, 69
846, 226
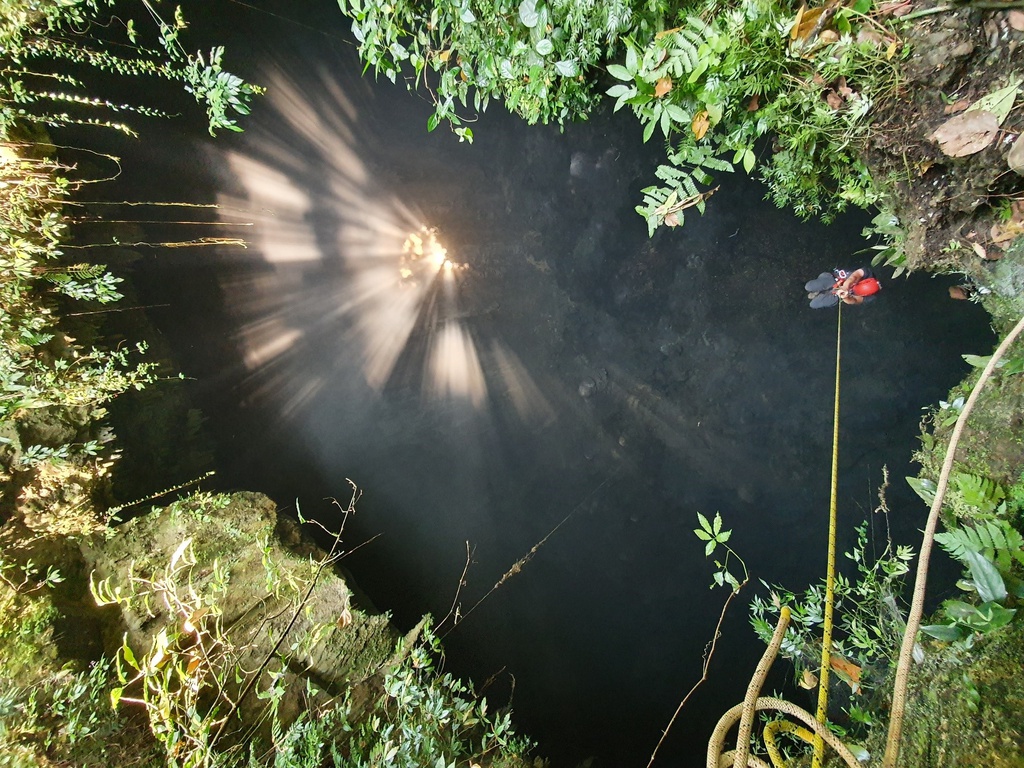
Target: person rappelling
829, 288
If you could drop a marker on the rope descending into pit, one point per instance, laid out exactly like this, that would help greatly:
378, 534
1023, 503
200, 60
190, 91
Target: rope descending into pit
819, 734
830, 574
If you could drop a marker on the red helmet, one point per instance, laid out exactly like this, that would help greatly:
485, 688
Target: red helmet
866, 287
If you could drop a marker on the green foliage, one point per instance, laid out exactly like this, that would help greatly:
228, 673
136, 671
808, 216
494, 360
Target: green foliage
992, 551
534, 55
42, 44
725, 78
714, 536
425, 718
39, 365
997, 540
65, 718
198, 670
968, 497
886, 226
715, 81
868, 622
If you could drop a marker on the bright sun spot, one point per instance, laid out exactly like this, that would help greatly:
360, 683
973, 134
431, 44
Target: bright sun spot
349, 277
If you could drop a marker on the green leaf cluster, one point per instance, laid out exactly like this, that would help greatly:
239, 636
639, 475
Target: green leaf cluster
868, 619
39, 365
45, 60
724, 81
992, 552
534, 55
714, 536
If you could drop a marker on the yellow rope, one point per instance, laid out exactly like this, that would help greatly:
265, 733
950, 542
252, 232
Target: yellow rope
826, 639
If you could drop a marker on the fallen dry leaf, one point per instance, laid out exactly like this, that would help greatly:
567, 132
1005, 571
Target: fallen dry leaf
956, 106
701, 123
1016, 19
966, 133
808, 680
833, 100
848, 668
345, 619
1001, 234
896, 8
958, 292
979, 249
1015, 157
796, 22
828, 36
663, 86
754, 104
865, 35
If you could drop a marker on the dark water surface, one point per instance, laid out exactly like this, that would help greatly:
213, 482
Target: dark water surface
455, 402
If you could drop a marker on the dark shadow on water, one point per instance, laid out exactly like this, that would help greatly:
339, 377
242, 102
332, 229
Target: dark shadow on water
708, 381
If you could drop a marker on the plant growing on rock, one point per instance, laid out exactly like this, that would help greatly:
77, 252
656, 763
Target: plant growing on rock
47, 58
868, 622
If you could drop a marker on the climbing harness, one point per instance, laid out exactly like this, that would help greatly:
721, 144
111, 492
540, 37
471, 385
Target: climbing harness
818, 734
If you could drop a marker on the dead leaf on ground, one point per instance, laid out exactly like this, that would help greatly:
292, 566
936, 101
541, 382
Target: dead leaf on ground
1004, 232
979, 249
1000, 101
865, 35
829, 36
663, 86
966, 133
1015, 157
833, 100
805, 23
958, 292
808, 680
896, 8
701, 123
754, 104
345, 619
1016, 19
846, 668
956, 106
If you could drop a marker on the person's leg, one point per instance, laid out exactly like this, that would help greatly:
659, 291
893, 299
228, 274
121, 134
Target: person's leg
822, 282
824, 300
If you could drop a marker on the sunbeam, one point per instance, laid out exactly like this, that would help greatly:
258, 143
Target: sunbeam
348, 269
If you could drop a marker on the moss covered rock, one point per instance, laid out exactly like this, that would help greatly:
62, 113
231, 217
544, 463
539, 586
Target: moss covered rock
964, 707
280, 609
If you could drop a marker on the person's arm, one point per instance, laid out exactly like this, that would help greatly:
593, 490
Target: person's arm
855, 277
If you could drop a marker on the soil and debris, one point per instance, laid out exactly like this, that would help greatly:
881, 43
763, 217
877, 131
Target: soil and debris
941, 143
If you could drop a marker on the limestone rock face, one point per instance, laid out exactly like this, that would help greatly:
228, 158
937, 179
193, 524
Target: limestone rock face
222, 559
